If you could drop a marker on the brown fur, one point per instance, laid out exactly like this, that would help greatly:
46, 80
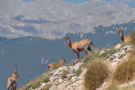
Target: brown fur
51, 66
78, 46
12, 83
123, 38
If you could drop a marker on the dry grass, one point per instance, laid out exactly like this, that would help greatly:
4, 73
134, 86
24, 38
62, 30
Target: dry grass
132, 37
95, 75
113, 86
125, 71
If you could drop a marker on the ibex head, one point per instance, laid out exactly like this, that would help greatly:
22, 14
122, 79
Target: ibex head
62, 60
120, 32
15, 73
67, 39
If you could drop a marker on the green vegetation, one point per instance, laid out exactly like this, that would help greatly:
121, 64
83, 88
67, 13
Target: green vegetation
121, 56
37, 82
107, 53
96, 73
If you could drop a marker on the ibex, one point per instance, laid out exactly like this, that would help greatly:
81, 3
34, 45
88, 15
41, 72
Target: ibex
78, 46
52, 66
12, 83
123, 38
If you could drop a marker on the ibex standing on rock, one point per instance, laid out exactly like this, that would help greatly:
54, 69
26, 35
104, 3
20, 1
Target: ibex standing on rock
123, 38
12, 83
78, 46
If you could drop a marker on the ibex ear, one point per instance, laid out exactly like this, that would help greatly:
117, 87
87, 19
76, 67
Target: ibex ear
121, 29
62, 57
66, 37
15, 70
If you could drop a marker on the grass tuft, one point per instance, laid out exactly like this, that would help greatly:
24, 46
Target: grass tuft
125, 71
96, 73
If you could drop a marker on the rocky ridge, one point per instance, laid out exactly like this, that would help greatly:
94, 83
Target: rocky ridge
72, 82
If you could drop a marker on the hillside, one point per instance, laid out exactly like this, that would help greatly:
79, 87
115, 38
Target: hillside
104, 69
39, 52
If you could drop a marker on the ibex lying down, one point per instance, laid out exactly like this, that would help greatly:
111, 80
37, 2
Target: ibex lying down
12, 83
123, 38
52, 66
78, 46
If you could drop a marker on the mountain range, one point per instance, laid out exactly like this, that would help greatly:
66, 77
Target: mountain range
53, 19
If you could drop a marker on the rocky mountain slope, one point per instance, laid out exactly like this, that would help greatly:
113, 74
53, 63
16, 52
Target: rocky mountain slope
72, 77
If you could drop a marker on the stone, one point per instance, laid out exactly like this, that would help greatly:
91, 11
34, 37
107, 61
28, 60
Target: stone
118, 46
101, 52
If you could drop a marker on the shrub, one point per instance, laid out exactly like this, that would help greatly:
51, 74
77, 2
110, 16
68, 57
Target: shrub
125, 71
95, 75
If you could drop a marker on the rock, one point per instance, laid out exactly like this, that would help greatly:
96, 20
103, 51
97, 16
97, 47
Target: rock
59, 70
101, 52
53, 87
127, 48
53, 78
75, 67
118, 46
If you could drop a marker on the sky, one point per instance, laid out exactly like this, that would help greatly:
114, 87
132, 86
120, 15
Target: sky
131, 3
